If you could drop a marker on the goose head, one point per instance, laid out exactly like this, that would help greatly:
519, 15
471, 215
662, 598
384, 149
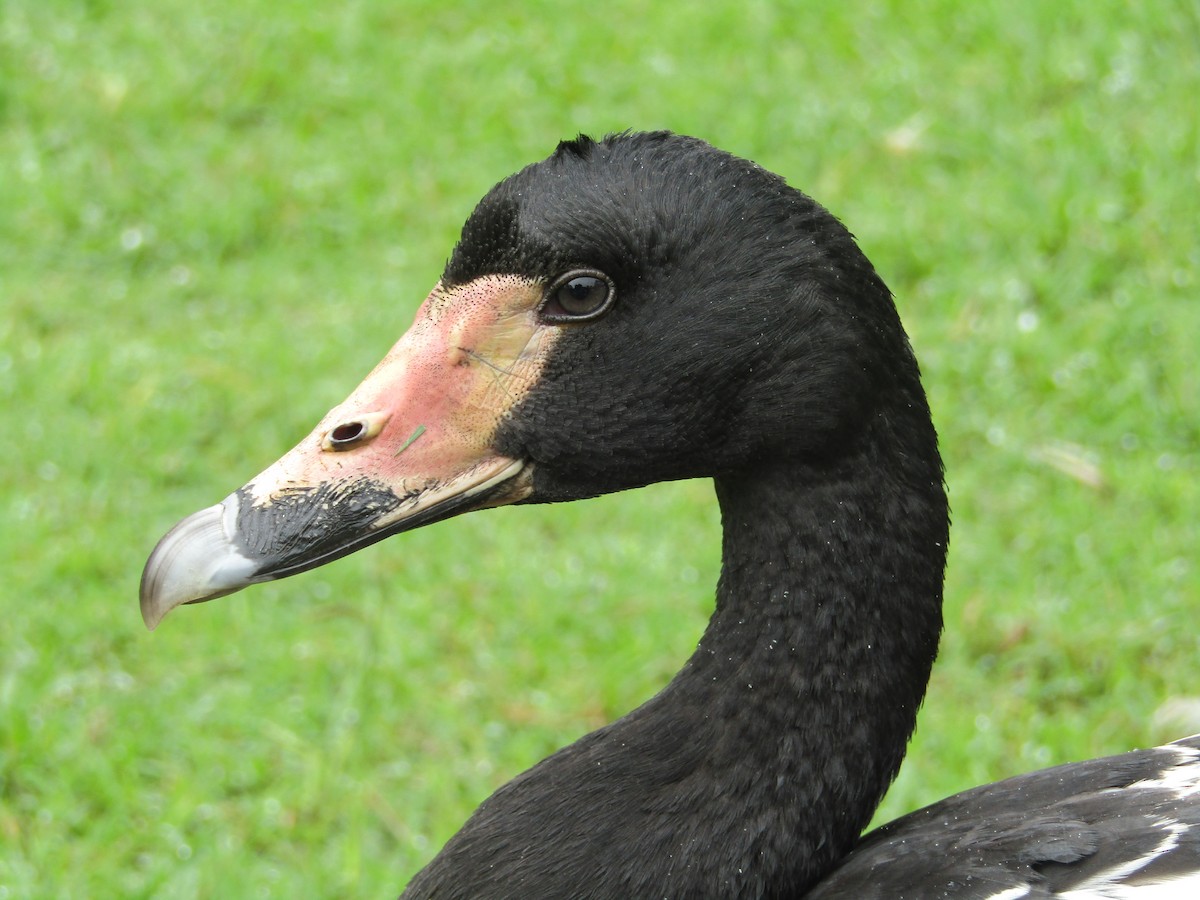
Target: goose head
639, 309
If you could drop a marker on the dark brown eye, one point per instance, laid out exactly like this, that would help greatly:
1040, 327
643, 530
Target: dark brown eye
577, 296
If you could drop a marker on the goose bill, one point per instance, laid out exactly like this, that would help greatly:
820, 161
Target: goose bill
410, 446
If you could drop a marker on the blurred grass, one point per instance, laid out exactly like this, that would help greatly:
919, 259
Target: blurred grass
216, 217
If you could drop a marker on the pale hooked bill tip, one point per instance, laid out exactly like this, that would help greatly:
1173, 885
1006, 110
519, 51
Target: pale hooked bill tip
196, 560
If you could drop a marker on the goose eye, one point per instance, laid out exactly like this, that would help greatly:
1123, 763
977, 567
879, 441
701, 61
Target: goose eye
577, 296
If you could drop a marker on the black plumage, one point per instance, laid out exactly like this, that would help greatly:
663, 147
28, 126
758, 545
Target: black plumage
743, 337
754, 343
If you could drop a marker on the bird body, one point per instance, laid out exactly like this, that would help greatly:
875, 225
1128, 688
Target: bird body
1123, 827
649, 308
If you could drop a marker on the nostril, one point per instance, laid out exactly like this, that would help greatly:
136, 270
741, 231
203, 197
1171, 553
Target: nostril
347, 433
354, 432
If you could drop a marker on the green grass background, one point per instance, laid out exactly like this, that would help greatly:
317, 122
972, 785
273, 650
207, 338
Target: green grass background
216, 216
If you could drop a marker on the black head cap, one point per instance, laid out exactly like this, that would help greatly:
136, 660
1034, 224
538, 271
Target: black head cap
626, 205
